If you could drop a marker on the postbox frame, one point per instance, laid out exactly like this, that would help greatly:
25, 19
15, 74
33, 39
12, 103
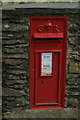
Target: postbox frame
61, 103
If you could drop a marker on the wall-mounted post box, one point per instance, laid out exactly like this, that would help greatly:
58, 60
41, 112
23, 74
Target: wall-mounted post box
48, 46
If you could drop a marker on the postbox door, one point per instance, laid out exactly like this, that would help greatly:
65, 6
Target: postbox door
46, 78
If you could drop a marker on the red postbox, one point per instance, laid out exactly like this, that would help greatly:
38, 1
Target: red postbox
48, 46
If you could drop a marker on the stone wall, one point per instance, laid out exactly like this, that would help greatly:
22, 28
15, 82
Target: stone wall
15, 48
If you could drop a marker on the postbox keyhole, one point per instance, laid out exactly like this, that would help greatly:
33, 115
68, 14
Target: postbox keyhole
42, 82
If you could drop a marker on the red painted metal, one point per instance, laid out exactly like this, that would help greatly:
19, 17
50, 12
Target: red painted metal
48, 35
48, 91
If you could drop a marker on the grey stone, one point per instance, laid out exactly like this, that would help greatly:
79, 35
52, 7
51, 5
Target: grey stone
13, 77
74, 87
18, 86
9, 36
73, 28
43, 5
74, 67
13, 61
24, 77
18, 20
74, 40
24, 56
14, 50
15, 102
73, 102
79, 68
75, 55
12, 92
15, 82
74, 93
22, 45
14, 27
16, 64
77, 47
66, 113
73, 81
10, 42
17, 72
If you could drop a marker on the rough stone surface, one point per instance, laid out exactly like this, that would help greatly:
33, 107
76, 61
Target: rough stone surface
15, 72
74, 67
12, 92
66, 113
